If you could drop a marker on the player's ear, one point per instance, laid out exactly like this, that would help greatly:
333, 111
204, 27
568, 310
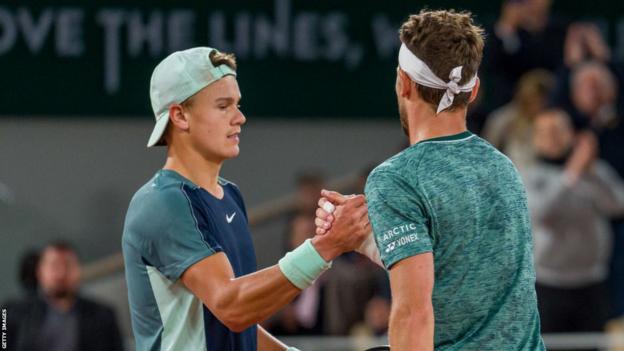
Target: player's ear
177, 117
404, 83
475, 91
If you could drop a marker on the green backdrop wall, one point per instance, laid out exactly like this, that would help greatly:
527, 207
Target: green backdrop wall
296, 58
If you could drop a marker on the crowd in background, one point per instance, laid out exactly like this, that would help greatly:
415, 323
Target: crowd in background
551, 101
556, 109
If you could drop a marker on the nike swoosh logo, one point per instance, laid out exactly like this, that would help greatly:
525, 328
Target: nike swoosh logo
229, 219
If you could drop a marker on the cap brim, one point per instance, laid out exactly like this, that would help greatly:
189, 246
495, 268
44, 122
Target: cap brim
159, 129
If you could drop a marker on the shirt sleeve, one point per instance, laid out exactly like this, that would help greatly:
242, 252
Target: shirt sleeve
172, 234
398, 218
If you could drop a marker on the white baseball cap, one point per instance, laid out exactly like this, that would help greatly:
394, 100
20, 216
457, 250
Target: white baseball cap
178, 77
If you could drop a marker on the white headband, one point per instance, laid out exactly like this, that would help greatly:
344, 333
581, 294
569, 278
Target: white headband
418, 71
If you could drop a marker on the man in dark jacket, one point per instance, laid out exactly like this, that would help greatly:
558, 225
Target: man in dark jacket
57, 319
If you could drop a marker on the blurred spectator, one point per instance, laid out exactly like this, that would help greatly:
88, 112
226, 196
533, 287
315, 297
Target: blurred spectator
58, 319
594, 92
589, 89
525, 37
571, 196
375, 324
509, 128
584, 42
594, 95
376, 317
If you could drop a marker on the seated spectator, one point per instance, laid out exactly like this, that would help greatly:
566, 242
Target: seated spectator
58, 318
509, 128
572, 196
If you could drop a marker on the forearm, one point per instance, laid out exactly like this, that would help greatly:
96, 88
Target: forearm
252, 298
240, 302
411, 329
267, 342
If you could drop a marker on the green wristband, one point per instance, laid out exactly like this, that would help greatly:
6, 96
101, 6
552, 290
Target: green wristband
303, 265
290, 348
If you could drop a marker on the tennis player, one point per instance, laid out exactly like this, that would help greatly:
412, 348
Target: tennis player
189, 258
449, 213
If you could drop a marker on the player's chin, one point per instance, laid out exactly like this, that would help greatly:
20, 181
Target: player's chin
232, 151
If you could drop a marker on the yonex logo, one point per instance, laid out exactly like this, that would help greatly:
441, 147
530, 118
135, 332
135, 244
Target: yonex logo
229, 219
401, 242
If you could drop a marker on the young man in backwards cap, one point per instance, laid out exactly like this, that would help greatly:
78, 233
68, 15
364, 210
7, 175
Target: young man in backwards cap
189, 258
449, 213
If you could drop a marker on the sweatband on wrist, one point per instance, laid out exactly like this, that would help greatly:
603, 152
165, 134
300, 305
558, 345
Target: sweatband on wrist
303, 265
290, 348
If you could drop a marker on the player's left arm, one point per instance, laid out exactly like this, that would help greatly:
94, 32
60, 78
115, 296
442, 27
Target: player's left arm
267, 342
412, 320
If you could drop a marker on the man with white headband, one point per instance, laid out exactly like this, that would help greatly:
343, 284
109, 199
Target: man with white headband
189, 259
449, 213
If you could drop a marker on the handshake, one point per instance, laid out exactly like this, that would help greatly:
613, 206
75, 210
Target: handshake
342, 225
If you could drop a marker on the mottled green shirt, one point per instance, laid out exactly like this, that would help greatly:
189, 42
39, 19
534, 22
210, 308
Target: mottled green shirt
460, 198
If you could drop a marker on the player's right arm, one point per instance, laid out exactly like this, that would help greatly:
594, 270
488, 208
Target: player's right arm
238, 302
244, 301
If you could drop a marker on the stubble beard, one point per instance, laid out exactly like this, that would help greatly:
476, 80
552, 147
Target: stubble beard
60, 293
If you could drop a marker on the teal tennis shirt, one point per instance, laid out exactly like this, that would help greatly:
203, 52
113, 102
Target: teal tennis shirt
172, 224
461, 199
